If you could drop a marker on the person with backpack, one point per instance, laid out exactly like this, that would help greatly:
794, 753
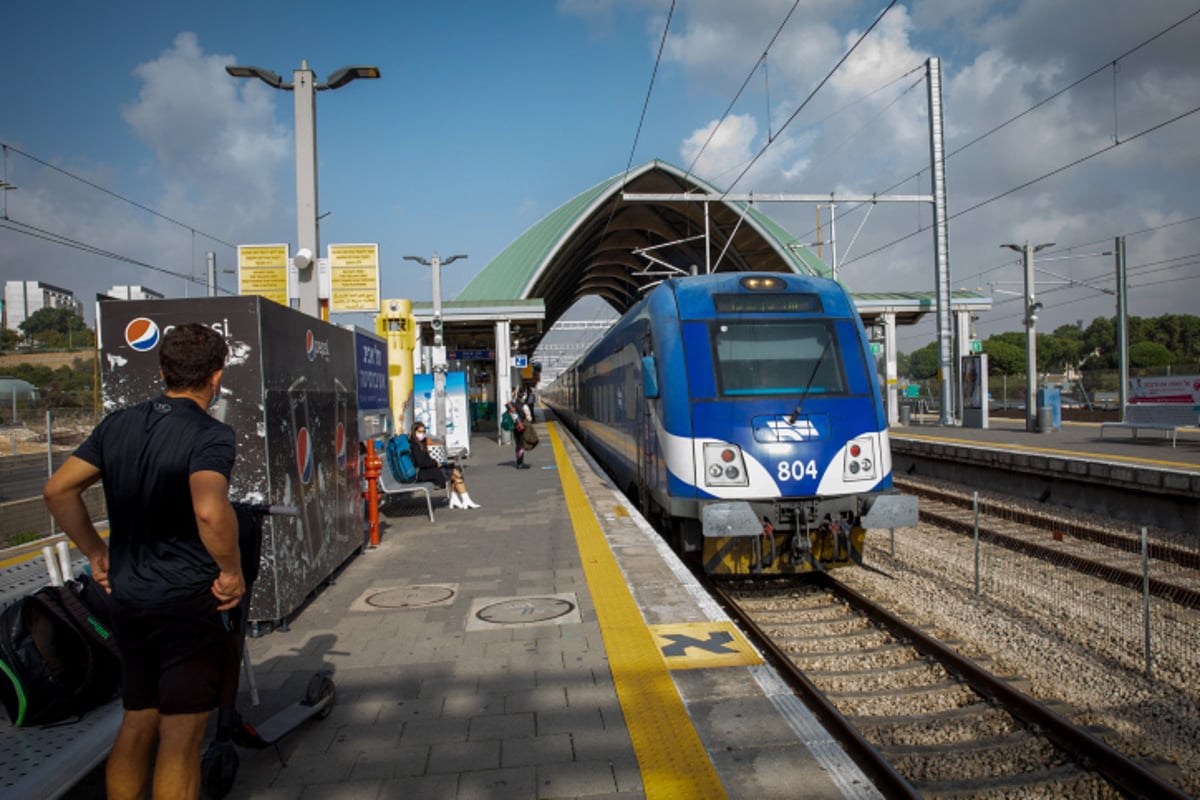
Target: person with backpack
513, 421
171, 564
438, 473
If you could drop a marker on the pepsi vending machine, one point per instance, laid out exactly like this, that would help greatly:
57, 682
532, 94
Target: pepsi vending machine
290, 392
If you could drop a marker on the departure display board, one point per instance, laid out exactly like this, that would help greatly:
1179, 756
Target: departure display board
755, 303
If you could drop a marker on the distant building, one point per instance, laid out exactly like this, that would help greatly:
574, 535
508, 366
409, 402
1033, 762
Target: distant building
134, 293
23, 298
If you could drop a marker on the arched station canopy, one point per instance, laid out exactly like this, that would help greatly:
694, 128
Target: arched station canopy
590, 245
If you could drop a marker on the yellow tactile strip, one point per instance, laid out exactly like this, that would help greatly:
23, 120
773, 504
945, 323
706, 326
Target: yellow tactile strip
672, 758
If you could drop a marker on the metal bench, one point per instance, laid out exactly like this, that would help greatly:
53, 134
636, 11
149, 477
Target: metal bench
1168, 417
48, 761
390, 488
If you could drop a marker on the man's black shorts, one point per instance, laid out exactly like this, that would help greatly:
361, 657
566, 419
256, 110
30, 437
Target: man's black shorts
175, 659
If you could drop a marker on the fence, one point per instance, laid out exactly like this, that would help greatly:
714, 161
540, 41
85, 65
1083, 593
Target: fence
32, 449
1149, 631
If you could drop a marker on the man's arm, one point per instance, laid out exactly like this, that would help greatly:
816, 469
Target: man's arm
219, 533
64, 497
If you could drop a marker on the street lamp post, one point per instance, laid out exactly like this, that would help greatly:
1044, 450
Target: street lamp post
304, 87
439, 358
1031, 313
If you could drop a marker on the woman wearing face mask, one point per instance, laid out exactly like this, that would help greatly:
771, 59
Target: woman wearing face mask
438, 473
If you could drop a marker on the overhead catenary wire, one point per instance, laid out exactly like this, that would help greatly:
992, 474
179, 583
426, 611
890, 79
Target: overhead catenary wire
811, 95
10, 148
1111, 63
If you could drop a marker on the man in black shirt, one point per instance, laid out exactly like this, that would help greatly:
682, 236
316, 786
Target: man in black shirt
171, 561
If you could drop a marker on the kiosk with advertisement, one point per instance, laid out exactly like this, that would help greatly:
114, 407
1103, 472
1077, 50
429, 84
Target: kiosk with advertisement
290, 392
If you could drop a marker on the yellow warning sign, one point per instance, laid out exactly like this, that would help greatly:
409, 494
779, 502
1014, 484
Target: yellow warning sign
263, 270
698, 645
354, 278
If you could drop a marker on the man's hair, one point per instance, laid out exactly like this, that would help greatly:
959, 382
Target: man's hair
189, 355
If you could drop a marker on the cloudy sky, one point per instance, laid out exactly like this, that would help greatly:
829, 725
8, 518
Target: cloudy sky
1067, 121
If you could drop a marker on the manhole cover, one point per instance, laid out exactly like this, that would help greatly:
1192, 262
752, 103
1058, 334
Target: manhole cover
531, 610
410, 596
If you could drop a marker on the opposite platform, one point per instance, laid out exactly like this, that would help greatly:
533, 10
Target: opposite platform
500, 653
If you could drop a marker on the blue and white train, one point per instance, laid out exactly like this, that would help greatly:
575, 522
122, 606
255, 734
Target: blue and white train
743, 413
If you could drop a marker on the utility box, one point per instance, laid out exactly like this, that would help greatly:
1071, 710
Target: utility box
1049, 416
975, 390
289, 391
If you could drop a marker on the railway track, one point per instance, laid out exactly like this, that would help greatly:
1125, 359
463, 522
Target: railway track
943, 724
1171, 572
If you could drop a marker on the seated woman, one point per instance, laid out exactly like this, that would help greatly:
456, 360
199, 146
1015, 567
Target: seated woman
430, 469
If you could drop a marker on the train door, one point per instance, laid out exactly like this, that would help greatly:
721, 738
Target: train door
645, 435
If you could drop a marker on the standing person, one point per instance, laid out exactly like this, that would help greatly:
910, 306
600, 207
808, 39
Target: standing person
512, 417
430, 469
171, 562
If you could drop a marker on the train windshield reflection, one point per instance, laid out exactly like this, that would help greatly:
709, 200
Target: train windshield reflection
789, 357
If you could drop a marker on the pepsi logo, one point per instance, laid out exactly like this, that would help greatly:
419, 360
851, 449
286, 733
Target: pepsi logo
310, 345
339, 444
142, 334
304, 455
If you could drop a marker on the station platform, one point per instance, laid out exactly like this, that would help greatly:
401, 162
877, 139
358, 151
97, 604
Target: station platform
546, 645
1082, 440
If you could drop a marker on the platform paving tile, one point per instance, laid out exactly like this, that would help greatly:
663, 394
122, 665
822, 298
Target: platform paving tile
475, 704
360, 738
600, 744
425, 787
543, 698
501, 726
310, 770
434, 731
518, 751
393, 763
575, 779
456, 757
343, 790
570, 720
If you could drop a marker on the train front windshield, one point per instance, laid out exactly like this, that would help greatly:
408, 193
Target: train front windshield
777, 357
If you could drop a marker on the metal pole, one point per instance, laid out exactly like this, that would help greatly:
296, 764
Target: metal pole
941, 246
975, 506
1146, 600
1122, 323
306, 186
439, 363
833, 265
1030, 343
211, 259
49, 459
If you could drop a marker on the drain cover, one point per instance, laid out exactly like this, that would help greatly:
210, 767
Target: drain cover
407, 597
532, 610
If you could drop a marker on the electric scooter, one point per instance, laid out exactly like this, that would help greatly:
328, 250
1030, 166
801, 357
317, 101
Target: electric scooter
220, 762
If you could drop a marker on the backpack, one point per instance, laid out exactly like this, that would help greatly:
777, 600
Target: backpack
400, 459
531, 436
58, 656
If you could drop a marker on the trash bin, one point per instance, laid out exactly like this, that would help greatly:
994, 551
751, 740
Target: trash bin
1049, 410
906, 413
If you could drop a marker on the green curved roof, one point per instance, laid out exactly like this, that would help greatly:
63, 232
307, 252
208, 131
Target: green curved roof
586, 245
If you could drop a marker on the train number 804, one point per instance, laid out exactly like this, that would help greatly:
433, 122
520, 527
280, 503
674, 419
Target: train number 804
796, 470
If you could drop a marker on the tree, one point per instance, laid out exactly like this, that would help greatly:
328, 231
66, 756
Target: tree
1150, 354
1004, 358
58, 327
8, 339
923, 363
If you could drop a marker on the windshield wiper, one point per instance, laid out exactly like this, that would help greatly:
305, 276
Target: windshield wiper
791, 419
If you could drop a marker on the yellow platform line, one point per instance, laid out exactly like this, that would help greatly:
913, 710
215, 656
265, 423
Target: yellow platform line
673, 761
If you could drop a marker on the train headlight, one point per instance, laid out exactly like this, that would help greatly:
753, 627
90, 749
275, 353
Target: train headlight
860, 460
724, 465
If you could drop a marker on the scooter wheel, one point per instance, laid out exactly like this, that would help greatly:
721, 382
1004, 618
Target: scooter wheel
320, 687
